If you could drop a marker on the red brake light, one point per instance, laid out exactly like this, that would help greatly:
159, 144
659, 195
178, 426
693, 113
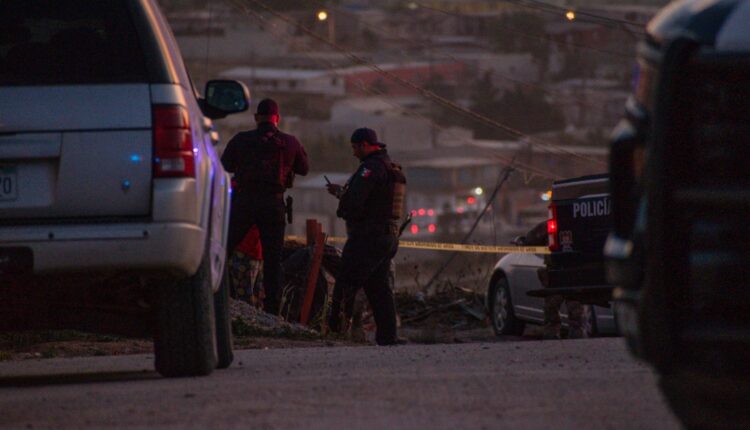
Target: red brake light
431, 228
552, 228
173, 142
421, 212
414, 229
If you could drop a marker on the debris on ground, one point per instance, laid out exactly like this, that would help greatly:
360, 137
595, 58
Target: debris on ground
296, 264
451, 308
250, 321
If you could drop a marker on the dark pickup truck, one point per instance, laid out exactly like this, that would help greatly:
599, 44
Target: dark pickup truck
579, 221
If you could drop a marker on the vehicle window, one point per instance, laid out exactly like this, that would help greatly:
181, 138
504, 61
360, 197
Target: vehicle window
55, 42
537, 236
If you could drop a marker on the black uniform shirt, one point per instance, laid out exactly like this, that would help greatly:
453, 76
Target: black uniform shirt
368, 193
235, 153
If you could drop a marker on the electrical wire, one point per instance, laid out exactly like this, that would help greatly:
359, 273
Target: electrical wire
563, 10
476, 69
544, 38
505, 174
601, 21
550, 147
520, 166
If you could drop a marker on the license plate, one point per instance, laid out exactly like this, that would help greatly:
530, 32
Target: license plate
8, 183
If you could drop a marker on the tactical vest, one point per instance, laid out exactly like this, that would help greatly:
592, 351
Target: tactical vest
398, 189
264, 165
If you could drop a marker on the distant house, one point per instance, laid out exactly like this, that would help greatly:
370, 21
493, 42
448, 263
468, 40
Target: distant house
507, 70
383, 114
225, 35
297, 81
590, 102
419, 73
347, 81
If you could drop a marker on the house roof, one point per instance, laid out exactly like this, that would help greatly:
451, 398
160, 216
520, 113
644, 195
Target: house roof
272, 73
453, 162
318, 180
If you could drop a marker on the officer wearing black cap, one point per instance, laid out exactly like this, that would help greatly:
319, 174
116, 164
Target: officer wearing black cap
264, 162
371, 203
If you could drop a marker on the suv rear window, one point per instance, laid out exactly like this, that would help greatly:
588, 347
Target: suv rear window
57, 42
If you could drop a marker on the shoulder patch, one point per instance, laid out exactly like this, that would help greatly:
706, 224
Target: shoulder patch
366, 172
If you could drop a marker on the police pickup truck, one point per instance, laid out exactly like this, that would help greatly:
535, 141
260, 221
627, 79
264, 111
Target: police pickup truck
577, 228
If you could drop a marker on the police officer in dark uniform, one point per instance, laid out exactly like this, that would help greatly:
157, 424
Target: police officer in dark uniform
264, 162
371, 203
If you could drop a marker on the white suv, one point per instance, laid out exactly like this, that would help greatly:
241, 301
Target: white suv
113, 203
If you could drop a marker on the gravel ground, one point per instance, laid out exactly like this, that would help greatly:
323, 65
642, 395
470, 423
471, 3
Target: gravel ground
530, 385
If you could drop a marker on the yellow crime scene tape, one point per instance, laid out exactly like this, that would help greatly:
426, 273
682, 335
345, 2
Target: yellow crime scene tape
456, 247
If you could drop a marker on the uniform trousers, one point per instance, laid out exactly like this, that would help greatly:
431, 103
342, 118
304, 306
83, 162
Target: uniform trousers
366, 263
267, 211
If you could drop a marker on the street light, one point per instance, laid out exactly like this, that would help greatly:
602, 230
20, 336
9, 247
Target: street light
324, 17
570, 15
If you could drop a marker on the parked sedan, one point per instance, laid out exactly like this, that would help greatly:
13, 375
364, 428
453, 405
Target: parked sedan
511, 308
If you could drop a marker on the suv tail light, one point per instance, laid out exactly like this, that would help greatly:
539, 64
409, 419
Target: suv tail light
173, 142
554, 245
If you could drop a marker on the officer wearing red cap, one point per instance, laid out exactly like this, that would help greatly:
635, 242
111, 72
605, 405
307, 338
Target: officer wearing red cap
264, 162
371, 203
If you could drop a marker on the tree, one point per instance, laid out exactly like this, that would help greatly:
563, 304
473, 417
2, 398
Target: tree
370, 39
577, 64
524, 110
484, 100
522, 32
438, 113
528, 111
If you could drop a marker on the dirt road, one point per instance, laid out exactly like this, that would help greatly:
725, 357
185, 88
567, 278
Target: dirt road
529, 385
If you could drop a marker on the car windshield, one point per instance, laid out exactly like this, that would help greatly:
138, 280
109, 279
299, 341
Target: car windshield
57, 42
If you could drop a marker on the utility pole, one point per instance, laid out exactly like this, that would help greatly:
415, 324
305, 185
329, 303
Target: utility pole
326, 15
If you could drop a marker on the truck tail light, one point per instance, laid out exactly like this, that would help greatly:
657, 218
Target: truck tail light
554, 245
173, 142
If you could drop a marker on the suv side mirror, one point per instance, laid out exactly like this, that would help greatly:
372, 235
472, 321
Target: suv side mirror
224, 98
518, 241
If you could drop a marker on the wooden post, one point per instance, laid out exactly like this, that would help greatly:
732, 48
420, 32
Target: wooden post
315, 238
312, 228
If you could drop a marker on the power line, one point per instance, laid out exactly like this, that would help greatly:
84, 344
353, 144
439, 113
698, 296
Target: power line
429, 94
612, 23
578, 12
505, 174
544, 38
471, 66
527, 168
